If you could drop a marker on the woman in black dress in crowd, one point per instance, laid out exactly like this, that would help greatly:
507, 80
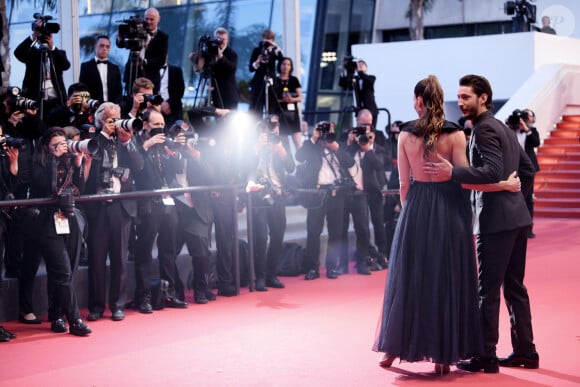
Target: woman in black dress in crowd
289, 96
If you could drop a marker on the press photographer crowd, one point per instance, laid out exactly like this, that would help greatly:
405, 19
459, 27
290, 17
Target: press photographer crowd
96, 137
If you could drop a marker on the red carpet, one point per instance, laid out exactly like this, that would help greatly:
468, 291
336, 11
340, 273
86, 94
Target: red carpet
316, 333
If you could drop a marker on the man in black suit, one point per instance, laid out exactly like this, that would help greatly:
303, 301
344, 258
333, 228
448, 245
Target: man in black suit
225, 93
501, 226
363, 86
102, 77
324, 159
171, 87
43, 81
112, 170
263, 64
153, 54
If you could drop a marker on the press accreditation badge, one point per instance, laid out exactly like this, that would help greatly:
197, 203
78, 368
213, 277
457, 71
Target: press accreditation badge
61, 223
168, 201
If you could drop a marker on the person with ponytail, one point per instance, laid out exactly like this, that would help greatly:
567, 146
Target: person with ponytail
430, 307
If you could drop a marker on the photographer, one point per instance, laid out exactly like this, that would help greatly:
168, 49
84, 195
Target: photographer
355, 78
153, 49
78, 111
142, 99
158, 215
8, 179
263, 65
57, 233
267, 183
45, 64
225, 93
324, 160
171, 88
522, 122
111, 170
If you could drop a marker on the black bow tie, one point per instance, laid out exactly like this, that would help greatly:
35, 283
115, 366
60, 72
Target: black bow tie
102, 61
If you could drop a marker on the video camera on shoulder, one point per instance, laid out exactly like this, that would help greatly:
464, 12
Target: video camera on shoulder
513, 121
324, 128
132, 33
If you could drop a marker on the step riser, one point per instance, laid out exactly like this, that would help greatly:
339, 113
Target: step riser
561, 141
540, 193
547, 175
556, 204
567, 133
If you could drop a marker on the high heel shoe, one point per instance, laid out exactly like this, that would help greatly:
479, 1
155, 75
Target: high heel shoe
442, 369
387, 361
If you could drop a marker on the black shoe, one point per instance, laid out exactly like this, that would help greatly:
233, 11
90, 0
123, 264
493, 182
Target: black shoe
227, 291
311, 274
488, 365
531, 234
7, 333
261, 285
94, 316
24, 320
58, 326
363, 268
200, 298
4, 338
83, 261
331, 274
274, 282
529, 360
172, 302
118, 315
78, 328
145, 307
210, 295
342, 269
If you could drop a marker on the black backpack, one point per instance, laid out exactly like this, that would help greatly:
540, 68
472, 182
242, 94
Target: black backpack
291, 261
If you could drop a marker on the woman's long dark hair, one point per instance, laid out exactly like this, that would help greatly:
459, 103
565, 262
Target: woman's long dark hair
429, 124
43, 153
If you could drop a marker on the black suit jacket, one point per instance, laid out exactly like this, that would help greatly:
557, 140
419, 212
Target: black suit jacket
90, 76
31, 57
364, 89
128, 156
225, 78
155, 57
494, 153
176, 89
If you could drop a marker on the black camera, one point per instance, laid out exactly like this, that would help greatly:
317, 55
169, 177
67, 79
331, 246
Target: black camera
265, 48
325, 133
130, 123
267, 194
155, 99
350, 63
10, 142
66, 201
132, 33
208, 47
45, 28
182, 127
22, 103
88, 146
521, 9
513, 121
360, 133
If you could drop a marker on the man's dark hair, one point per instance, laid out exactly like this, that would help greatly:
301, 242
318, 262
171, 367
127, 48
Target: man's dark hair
76, 87
480, 86
102, 37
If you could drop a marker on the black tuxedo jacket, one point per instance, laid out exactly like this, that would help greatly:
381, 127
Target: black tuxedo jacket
225, 78
31, 57
176, 89
365, 93
128, 156
90, 76
494, 153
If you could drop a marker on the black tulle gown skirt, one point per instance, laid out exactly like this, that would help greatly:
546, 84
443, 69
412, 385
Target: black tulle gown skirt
430, 308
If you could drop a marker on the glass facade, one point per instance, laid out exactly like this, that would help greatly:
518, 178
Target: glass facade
326, 31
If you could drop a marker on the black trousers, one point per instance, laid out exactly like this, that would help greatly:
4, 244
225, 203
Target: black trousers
198, 248
356, 205
223, 211
268, 221
375, 202
108, 236
331, 210
502, 262
160, 222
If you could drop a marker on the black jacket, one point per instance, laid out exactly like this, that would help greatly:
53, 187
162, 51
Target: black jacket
90, 76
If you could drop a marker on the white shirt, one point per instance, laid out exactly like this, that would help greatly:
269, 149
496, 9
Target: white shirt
102, 68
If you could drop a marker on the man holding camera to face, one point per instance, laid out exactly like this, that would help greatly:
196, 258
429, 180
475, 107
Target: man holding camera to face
325, 163
78, 111
356, 78
263, 65
157, 215
111, 170
142, 99
43, 81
